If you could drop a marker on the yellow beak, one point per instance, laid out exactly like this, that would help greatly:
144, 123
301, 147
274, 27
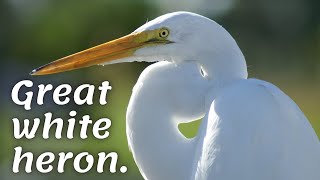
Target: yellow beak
109, 51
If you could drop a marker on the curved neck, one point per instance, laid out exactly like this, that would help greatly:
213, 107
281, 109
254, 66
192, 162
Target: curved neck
224, 65
159, 149
222, 60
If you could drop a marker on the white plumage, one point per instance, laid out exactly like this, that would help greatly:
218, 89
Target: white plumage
255, 131
251, 129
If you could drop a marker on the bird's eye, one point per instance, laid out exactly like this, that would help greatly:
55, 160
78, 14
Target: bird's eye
164, 33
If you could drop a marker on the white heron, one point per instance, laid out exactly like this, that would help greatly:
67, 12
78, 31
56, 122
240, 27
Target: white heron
250, 129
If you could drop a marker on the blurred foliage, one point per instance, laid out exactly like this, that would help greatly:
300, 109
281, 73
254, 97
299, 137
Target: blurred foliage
280, 39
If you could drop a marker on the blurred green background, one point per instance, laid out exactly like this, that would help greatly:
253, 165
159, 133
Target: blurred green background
280, 39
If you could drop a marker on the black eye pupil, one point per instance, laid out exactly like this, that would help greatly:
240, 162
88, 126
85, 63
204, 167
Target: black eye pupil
164, 33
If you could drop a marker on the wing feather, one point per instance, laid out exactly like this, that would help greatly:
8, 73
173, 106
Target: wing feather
254, 131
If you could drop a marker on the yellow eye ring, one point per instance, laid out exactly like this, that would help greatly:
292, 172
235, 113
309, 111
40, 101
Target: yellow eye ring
163, 33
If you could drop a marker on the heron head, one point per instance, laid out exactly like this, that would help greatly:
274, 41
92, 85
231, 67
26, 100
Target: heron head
178, 36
